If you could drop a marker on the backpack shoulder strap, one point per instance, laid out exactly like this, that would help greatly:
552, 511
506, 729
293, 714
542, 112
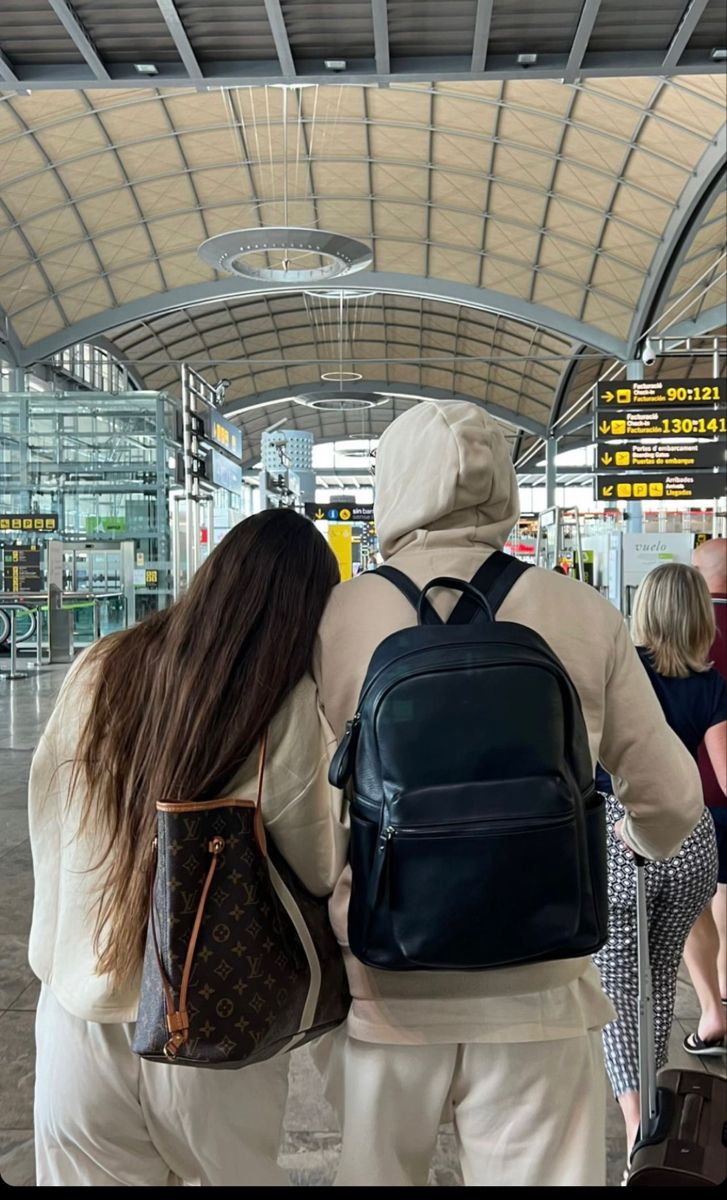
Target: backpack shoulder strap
494, 579
409, 589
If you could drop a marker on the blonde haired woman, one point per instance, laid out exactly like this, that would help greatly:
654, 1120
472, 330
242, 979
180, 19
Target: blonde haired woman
673, 627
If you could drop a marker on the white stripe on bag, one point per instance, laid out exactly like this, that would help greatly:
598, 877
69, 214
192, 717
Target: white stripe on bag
314, 989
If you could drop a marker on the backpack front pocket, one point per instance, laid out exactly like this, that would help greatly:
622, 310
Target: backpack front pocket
470, 891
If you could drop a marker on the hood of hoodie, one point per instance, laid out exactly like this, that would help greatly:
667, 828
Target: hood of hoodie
444, 477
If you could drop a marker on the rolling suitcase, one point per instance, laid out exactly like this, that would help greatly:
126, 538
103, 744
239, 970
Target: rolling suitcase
682, 1140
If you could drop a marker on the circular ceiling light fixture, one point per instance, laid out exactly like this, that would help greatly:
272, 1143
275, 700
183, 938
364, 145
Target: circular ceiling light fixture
325, 400
286, 254
335, 295
341, 376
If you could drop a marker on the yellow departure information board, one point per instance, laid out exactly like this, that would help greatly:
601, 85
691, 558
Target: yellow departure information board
28, 523
678, 426
636, 422
672, 392
223, 433
682, 454
676, 486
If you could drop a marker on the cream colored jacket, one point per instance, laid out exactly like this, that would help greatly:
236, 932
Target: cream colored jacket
300, 811
446, 497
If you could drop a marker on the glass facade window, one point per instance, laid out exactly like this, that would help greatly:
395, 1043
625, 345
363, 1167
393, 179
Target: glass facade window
103, 463
92, 366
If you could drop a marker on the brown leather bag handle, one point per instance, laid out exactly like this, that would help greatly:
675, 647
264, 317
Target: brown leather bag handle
258, 825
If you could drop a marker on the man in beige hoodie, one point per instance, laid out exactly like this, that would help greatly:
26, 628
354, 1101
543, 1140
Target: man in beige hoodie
512, 1056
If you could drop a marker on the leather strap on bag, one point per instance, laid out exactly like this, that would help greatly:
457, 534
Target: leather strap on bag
494, 579
177, 1015
408, 588
258, 820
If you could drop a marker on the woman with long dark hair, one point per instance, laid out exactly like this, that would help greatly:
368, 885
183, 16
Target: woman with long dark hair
173, 709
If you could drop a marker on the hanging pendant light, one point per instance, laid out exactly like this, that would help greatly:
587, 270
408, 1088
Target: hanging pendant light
344, 398
286, 254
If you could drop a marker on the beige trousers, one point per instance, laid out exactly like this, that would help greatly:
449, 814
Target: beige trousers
106, 1118
525, 1114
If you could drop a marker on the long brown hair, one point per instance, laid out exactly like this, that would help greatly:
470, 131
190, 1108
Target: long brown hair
181, 701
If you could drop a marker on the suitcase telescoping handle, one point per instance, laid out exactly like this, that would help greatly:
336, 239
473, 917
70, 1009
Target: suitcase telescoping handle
649, 1102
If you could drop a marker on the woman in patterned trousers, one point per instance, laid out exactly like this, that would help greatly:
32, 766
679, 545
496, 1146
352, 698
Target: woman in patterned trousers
673, 626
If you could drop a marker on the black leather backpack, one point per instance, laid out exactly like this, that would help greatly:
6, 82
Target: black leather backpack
477, 836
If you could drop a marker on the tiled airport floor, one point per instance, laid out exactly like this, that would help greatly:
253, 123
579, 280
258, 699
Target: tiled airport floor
311, 1140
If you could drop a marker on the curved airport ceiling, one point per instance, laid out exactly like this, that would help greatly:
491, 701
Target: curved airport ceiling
561, 198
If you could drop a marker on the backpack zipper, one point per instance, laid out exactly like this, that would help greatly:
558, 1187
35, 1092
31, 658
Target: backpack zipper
434, 833
475, 825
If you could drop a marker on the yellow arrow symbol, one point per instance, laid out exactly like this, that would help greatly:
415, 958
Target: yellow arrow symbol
608, 491
604, 426
606, 459
320, 515
607, 396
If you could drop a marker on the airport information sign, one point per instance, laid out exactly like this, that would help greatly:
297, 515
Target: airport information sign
660, 393
21, 569
222, 471
675, 486
673, 431
29, 523
681, 454
223, 433
340, 512
640, 423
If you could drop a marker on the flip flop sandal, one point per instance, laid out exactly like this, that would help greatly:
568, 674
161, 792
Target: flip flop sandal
693, 1044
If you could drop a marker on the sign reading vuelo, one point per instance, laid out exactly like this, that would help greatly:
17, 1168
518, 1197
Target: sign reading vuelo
340, 512
684, 453
633, 422
655, 392
659, 487
29, 523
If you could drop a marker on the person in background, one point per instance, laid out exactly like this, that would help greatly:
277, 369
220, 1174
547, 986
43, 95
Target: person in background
172, 709
673, 627
513, 1056
706, 950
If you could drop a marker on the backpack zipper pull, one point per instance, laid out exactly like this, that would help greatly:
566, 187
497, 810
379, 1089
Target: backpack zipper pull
342, 764
377, 878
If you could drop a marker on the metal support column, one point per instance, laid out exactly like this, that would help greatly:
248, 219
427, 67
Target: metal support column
551, 450
13, 673
188, 467
23, 452
162, 508
175, 520
634, 508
